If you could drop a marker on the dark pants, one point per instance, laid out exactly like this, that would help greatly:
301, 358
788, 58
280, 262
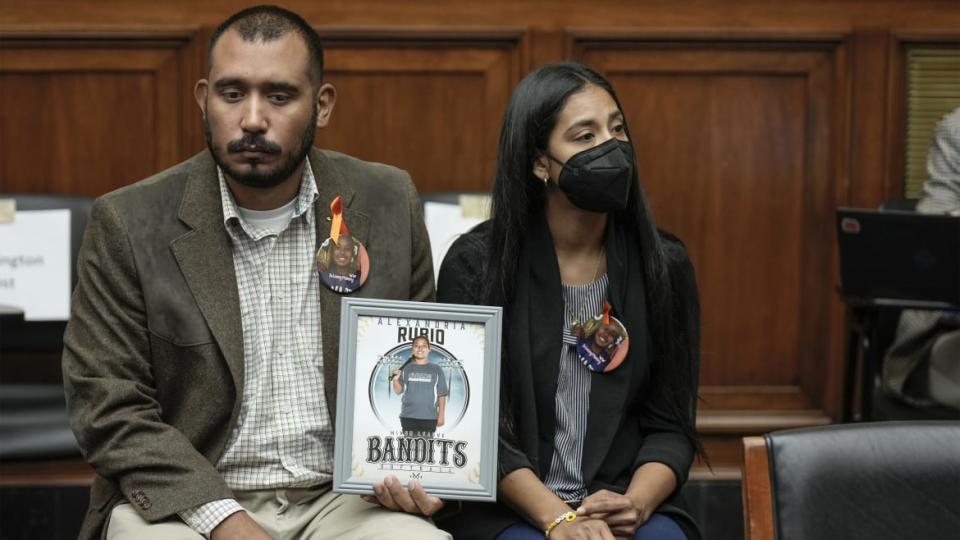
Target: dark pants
418, 427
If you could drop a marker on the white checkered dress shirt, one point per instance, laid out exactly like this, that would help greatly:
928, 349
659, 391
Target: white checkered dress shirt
283, 437
941, 191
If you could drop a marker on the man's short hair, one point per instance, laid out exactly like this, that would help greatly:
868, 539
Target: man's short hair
268, 23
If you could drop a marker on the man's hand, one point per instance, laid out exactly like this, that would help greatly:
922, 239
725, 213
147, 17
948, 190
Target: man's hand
395, 374
239, 526
619, 512
412, 500
582, 528
440, 420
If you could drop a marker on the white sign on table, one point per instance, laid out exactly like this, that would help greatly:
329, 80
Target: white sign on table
35, 264
445, 222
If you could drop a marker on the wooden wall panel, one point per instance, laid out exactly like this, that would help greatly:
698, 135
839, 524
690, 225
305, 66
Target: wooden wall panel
753, 121
735, 146
87, 115
429, 102
426, 102
728, 16
45, 150
726, 141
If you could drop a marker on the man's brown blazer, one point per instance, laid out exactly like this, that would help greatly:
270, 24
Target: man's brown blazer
153, 353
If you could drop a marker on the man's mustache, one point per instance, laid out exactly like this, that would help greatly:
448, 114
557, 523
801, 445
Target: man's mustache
253, 142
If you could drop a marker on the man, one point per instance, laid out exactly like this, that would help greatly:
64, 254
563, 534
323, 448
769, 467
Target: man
200, 360
922, 366
424, 390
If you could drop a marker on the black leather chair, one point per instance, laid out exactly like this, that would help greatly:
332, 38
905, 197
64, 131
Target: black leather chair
872, 480
33, 417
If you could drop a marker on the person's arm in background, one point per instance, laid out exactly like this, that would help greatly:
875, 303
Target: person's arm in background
941, 191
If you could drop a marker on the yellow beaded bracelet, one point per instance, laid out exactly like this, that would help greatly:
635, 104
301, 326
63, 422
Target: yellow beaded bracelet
566, 516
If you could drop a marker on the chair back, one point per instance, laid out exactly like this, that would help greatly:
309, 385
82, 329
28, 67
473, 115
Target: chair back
876, 480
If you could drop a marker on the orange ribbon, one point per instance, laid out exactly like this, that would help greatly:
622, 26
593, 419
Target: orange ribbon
606, 313
337, 225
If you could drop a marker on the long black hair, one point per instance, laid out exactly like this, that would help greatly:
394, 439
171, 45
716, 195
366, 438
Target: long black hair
518, 195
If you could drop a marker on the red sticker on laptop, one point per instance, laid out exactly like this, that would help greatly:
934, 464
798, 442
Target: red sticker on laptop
850, 225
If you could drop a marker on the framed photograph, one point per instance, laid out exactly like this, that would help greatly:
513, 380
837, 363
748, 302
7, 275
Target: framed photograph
418, 397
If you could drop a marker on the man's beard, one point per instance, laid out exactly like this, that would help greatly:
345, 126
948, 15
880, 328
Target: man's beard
256, 178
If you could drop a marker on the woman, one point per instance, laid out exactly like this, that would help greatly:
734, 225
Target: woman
583, 453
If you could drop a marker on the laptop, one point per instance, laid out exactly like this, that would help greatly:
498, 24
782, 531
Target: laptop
889, 256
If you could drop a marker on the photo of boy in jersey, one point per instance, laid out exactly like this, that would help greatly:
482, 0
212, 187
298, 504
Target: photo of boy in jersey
424, 388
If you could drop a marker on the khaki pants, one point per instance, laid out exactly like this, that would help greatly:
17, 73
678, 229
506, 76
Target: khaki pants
290, 514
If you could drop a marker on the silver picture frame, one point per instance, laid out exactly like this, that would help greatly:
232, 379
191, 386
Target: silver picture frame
458, 461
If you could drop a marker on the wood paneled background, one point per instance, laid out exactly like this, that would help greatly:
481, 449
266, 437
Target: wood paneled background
752, 120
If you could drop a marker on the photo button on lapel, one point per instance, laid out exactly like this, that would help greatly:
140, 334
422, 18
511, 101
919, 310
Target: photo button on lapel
342, 259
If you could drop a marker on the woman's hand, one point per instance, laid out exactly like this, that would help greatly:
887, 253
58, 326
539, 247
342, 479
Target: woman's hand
412, 499
619, 512
582, 528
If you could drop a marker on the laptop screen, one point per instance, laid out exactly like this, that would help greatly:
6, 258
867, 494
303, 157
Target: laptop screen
899, 255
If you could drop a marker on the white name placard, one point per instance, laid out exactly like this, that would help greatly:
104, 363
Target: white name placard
445, 222
35, 264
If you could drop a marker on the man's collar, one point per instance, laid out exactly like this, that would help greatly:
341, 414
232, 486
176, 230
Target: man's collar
306, 196
308, 192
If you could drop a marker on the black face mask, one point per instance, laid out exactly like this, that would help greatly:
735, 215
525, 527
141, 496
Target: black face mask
598, 179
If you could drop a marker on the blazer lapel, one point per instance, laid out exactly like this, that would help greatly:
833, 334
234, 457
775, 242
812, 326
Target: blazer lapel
607, 394
609, 390
205, 257
544, 310
330, 184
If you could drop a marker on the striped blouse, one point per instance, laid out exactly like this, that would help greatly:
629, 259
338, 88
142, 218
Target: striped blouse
572, 403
